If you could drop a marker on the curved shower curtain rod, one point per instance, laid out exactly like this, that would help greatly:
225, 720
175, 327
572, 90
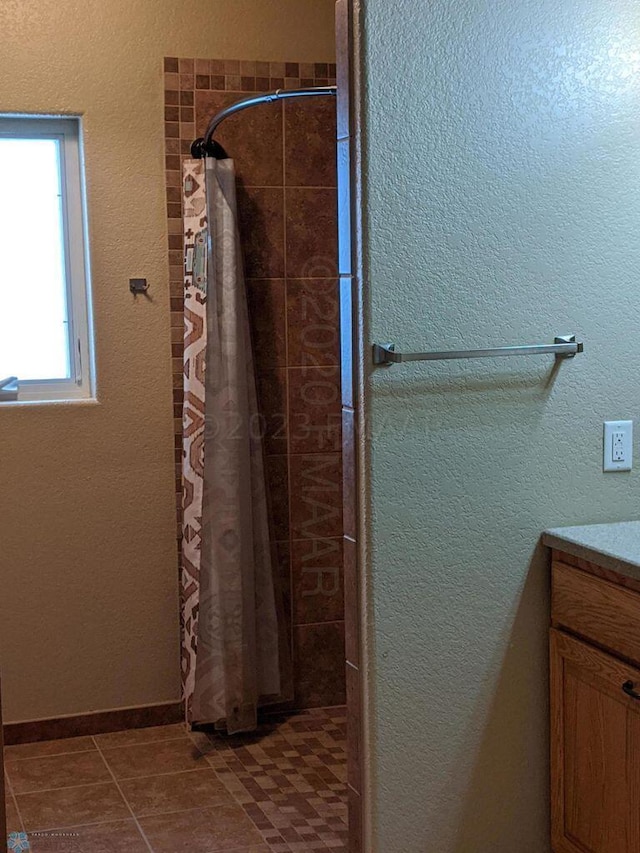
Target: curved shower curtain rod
206, 146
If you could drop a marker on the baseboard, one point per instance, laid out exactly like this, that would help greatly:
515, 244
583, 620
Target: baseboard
94, 723
119, 719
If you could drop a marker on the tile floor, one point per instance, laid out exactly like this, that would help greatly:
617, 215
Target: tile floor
282, 790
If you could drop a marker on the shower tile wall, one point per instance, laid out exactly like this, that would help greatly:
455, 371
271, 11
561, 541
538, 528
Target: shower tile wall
285, 157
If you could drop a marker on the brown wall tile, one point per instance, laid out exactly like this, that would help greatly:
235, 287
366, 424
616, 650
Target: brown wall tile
267, 313
316, 492
283, 557
260, 214
310, 147
319, 664
312, 234
253, 138
315, 422
171, 81
313, 322
277, 470
318, 586
272, 403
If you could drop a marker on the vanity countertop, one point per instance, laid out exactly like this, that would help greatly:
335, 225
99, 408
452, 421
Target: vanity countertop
614, 546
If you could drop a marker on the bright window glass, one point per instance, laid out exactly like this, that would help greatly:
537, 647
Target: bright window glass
34, 326
45, 317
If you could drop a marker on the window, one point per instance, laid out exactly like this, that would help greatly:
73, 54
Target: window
44, 293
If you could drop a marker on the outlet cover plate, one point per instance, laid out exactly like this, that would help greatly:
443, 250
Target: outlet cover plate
618, 442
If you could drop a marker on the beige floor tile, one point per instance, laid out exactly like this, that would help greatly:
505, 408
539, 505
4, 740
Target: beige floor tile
132, 737
57, 771
14, 824
289, 777
72, 806
214, 830
174, 792
119, 837
49, 747
150, 759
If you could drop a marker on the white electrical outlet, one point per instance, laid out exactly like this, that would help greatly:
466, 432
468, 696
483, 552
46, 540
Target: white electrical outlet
617, 446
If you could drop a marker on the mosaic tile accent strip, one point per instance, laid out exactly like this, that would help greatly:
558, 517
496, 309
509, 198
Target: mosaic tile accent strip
245, 75
281, 790
290, 779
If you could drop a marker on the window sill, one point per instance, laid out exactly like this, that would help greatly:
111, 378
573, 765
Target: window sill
78, 401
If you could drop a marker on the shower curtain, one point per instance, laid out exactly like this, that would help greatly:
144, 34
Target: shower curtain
235, 654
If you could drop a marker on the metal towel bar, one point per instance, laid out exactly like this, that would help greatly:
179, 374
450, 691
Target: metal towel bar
563, 346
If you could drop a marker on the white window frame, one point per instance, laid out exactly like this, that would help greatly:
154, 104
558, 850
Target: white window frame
68, 131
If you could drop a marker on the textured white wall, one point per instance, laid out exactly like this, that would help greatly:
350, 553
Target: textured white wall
502, 174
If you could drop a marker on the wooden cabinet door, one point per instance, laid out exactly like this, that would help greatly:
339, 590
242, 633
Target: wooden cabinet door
595, 750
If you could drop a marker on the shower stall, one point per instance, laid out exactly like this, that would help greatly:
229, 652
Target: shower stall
256, 345
240, 649
257, 206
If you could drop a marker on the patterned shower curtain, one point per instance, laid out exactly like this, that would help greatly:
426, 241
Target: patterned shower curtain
235, 654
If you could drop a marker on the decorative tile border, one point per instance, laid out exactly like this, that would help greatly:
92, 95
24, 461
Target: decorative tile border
238, 75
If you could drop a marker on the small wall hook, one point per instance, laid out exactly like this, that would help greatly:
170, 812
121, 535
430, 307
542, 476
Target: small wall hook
138, 285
